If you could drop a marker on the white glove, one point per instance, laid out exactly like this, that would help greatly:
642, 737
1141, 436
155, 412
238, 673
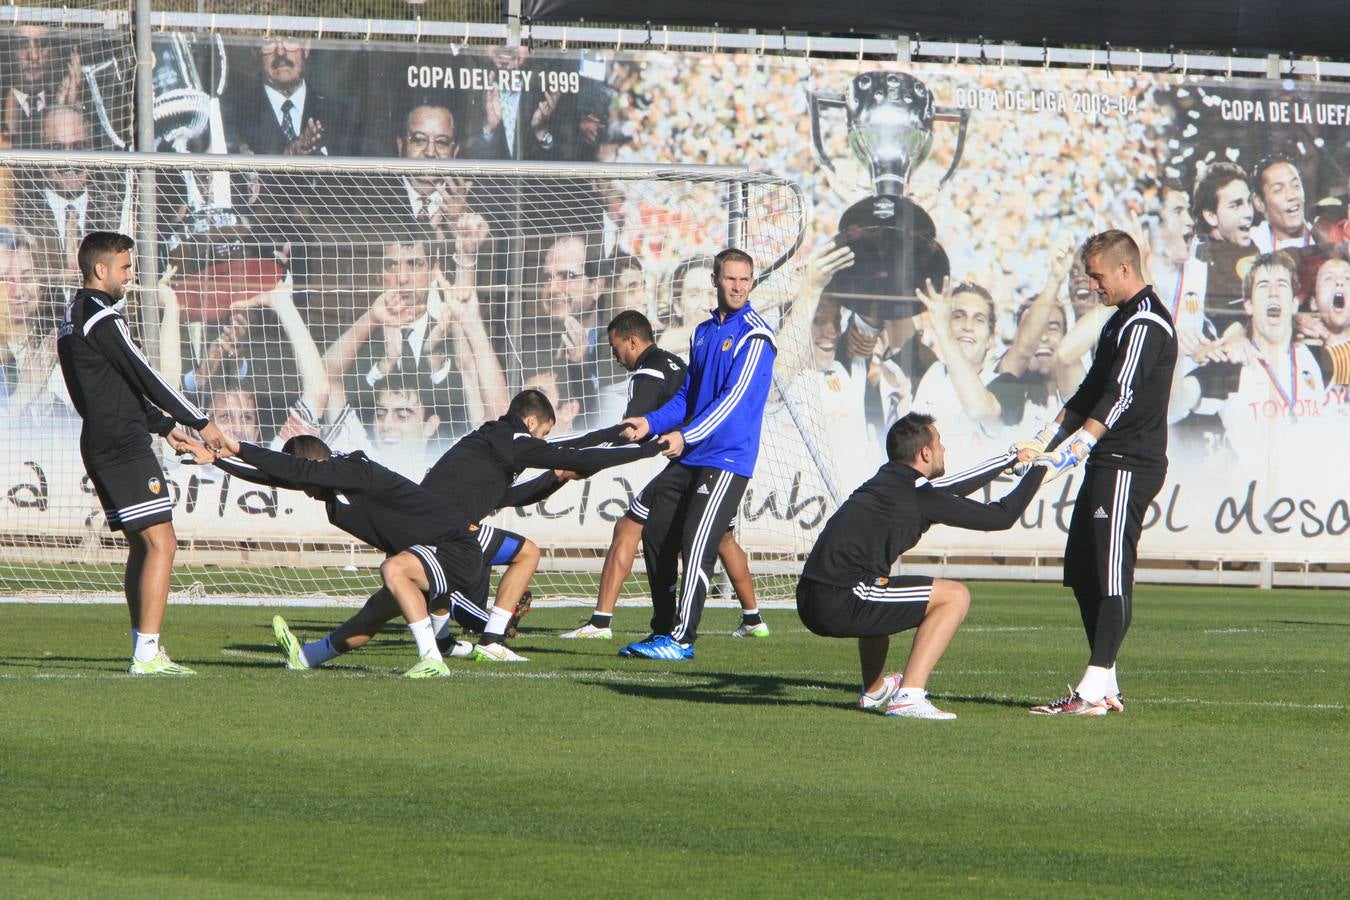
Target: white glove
1071, 454
1052, 432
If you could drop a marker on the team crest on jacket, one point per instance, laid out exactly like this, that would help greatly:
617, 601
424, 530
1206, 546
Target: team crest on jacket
882, 581
726, 345
154, 486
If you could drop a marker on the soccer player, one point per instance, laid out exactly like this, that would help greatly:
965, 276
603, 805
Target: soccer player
475, 477
712, 427
1117, 422
655, 376
846, 589
430, 546
122, 402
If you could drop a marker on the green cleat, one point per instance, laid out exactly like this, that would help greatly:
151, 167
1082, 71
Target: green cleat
295, 657
758, 630
160, 665
428, 667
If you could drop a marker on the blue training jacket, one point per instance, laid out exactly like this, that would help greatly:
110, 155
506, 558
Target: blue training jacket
720, 406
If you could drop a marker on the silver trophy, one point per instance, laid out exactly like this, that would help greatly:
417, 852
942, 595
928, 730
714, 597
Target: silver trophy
890, 118
185, 112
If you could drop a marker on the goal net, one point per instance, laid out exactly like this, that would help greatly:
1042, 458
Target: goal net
388, 306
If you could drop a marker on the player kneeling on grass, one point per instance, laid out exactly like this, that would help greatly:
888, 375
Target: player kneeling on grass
431, 549
846, 589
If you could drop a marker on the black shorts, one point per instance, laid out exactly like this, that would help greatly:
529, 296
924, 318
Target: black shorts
134, 493
1108, 517
641, 506
499, 546
880, 606
452, 567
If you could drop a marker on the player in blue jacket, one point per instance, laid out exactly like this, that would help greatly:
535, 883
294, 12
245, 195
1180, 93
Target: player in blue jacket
712, 427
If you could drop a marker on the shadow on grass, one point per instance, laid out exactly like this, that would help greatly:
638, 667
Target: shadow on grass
733, 690
1317, 624
984, 699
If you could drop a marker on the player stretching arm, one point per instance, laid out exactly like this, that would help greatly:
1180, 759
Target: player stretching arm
121, 398
846, 589
1117, 422
655, 376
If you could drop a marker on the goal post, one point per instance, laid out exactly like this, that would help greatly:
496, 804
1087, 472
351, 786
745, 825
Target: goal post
389, 306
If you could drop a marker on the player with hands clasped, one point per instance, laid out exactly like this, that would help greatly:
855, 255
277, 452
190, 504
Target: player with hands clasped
1116, 423
122, 401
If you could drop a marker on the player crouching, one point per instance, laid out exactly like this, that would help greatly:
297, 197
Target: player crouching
846, 589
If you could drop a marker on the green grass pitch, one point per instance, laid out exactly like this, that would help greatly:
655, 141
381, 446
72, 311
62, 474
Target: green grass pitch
742, 773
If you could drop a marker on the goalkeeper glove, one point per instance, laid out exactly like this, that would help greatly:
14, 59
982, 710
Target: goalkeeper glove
1050, 435
1074, 451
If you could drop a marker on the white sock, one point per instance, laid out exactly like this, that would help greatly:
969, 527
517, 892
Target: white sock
440, 625
316, 653
425, 637
497, 621
1112, 686
147, 645
1094, 684
750, 612
910, 693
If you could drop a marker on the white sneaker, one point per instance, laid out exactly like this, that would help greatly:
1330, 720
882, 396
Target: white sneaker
459, 650
589, 631
889, 685
758, 630
497, 653
915, 705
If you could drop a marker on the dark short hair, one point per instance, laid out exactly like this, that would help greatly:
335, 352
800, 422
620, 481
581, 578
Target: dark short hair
631, 323
1216, 178
532, 402
1278, 259
910, 434
1116, 245
307, 446
1267, 163
97, 246
407, 384
731, 253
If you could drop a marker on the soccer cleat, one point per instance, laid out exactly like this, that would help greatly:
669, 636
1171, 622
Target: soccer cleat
453, 647
758, 630
295, 658
915, 705
1114, 703
428, 667
159, 665
889, 685
631, 649
497, 653
589, 631
660, 646
522, 610
1071, 704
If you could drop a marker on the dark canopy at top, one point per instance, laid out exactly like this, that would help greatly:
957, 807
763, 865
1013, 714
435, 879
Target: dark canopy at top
1307, 28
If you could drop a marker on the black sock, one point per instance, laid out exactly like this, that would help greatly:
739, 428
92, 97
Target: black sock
492, 638
600, 620
751, 618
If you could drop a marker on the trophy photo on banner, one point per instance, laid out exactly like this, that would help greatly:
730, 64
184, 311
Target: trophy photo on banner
890, 118
185, 112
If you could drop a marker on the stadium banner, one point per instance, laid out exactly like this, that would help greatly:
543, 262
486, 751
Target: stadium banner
976, 174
